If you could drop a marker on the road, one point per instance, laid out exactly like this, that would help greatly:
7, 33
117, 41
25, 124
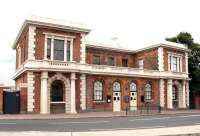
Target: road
101, 124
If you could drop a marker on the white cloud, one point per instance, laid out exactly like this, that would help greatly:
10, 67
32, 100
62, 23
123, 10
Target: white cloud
136, 22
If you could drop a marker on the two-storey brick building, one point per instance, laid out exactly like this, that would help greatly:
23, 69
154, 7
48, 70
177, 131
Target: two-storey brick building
57, 70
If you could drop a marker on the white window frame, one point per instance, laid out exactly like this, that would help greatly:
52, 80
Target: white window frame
98, 84
116, 87
141, 63
65, 38
148, 93
133, 87
170, 62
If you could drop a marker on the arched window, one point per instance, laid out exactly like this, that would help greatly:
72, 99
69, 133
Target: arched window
57, 93
133, 87
174, 93
148, 92
98, 91
116, 87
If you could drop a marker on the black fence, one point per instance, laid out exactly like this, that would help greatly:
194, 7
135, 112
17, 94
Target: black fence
142, 110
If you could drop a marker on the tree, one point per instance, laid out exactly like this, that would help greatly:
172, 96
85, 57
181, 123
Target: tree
193, 58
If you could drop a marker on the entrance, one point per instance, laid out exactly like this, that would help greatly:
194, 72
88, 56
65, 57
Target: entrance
133, 97
116, 101
116, 96
175, 96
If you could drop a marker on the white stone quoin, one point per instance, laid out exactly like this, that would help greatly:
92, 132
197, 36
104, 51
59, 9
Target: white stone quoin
162, 95
30, 94
160, 59
44, 94
83, 92
31, 43
73, 93
169, 94
83, 49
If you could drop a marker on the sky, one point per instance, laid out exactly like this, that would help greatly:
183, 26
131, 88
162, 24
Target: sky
137, 23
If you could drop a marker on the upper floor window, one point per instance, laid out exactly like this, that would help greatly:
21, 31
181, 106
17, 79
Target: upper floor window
19, 55
124, 62
140, 63
48, 48
111, 61
175, 63
58, 47
148, 92
98, 91
96, 60
116, 87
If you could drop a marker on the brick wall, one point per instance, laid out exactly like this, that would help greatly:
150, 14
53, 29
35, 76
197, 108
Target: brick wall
104, 54
197, 101
125, 81
23, 100
23, 44
150, 58
40, 39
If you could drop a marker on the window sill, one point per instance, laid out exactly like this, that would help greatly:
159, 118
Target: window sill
56, 102
99, 101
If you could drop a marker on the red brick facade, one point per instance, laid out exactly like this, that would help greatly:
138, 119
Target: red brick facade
125, 91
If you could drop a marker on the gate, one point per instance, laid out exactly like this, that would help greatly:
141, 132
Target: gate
11, 102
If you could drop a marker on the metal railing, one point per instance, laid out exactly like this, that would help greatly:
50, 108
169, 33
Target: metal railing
142, 110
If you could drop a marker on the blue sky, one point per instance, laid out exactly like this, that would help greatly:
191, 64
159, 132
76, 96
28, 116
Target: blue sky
137, 23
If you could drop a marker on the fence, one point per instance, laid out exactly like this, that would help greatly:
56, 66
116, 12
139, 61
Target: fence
142, 110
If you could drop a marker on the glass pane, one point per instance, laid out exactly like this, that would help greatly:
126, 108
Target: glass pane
58, 49
68, 50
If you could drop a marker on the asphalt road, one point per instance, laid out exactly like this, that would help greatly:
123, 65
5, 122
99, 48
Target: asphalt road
100, 124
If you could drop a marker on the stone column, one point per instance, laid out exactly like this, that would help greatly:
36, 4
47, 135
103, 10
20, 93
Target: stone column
73, 93
182, 95
162, 95
83, 92
169, 94
187, 94
44, 94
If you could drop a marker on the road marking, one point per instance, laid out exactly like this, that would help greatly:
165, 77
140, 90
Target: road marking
151, 119
163, 118
114, 129
62, 123
8, 123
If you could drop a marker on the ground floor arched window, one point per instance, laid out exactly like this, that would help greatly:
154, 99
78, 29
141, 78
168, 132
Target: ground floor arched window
57, 91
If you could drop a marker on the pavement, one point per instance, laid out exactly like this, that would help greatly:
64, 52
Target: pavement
87, 115
171, 131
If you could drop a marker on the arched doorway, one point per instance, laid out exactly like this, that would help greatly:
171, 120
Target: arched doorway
175, 96
55, 82
57, 97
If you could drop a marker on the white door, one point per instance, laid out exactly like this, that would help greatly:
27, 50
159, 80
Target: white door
116, 101
133, 101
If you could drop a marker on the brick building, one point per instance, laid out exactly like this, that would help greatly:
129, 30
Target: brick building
57, 70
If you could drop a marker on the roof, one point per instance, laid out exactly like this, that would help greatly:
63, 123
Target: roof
166, 44
55, 23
